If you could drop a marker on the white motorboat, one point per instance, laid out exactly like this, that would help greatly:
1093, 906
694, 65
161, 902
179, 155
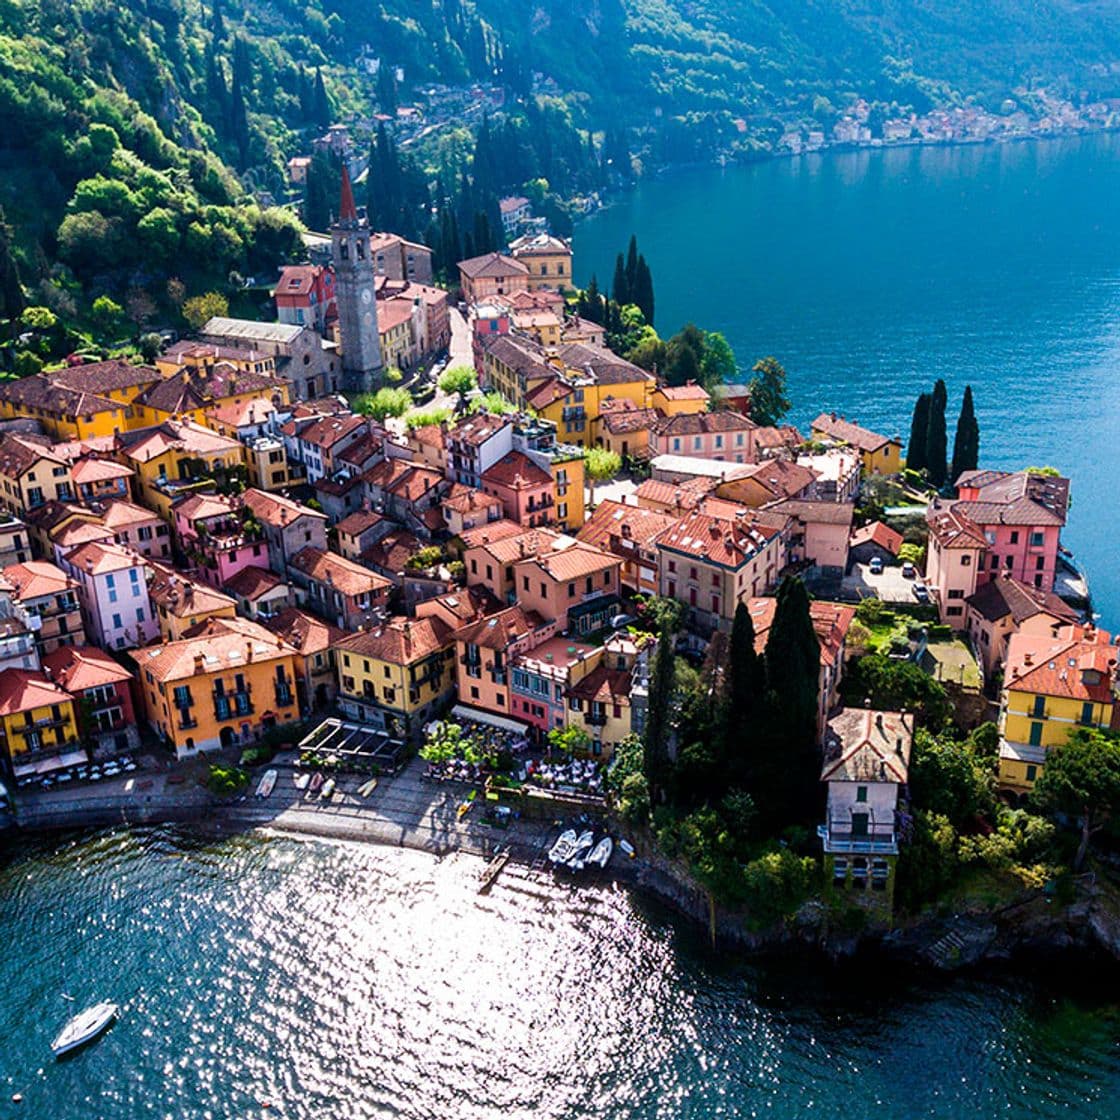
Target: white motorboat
84, 1028
267, 783
327, 790
583, 846
564, 848
301, 781
601, 853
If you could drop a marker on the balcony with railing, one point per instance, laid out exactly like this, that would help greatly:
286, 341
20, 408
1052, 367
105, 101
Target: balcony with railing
842, 834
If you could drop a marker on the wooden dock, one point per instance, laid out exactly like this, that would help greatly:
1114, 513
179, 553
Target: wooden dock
492, 870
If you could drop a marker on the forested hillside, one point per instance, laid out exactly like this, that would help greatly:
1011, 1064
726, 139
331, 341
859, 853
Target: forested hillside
145, 138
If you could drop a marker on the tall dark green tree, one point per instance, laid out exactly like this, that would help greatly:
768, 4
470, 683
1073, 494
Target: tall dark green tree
684, 355
632, 263
659, 714
936, 437
641, 289
767, 388
321, 104
321, 191
620, 287
787, 776
11, 290
916, 457
387, 96
966, 442
743, 699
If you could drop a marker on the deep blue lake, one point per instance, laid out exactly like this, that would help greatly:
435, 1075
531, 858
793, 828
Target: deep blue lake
870, 274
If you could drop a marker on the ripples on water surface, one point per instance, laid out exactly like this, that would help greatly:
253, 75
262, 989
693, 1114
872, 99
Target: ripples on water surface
344, 981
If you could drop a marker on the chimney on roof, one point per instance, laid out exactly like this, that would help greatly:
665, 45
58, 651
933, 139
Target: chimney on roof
1028, 658
199, 663
879, 720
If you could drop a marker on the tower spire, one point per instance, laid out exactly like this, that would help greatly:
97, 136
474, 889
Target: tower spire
347, 211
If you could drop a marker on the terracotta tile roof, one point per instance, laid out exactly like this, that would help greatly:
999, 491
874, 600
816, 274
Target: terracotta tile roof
877, 533
362, 449
603, 684
466, 499
951, 528
384, 474
304, 632
74, 533
606, 367
51, 514
393, 313
525, 544
702, 423
498, 631
415, 483
844, 431
182, 597
690, 391
862, 745
252, 412
20, 452
622, 421
76, 668
345, 576
200, 507
102, 378
358, 523
253, 582
572, 561
466, 604
1017, 492
296, 279
35, 578
491, 533
120, 514
190, 351
517, 471
87, 471
999, 598
477, 429
40, 392
218, 645
146, 444
327, 431
393, 550
1079, 664
831, 622
780, 477
553, 388
768, 439
729, 542
818, 513
400, 641
432, 435
678, 495
276, 510
22, 690
492, 265
99, 557
615, 523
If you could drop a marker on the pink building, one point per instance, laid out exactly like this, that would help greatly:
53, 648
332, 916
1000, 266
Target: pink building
1020, 516
954, 557
304, 296
575, 583
724, 436
216, 537
526, 491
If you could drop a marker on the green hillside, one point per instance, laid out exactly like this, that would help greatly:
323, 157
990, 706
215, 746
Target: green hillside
142, 136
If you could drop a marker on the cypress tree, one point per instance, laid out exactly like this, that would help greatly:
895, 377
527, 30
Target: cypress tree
658, 714
936, 438
322, 103
916, 458
632, 265
787, 775
593, 302
744, 693
620, 288
11, 290
641, 290
966, 442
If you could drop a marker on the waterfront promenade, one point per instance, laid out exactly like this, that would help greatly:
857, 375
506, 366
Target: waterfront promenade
404, 811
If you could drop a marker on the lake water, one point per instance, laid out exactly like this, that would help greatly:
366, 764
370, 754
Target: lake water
870, 274
338, 981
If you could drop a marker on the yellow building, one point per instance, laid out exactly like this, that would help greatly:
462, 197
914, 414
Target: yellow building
31, 473
65, 413
181, 604
37, 722
193, 395
397, 676
680, 400
222, 686
548, 259
878, 454
609, 702
176, 458
1053, 684
394, 330
201, 357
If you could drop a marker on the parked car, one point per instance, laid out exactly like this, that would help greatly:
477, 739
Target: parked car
909, 571
921, 592
875, 566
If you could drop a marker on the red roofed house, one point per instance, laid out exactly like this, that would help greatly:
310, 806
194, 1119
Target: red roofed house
113, 590
337, 589
831, 622
38, 726
313, 640
492, 274
874, 541
526, 491
866, 765
304, 296
878, 454
954, 556
219, 537
712, 563
574, 583
467, 508
102, 687
46, 598
630, 533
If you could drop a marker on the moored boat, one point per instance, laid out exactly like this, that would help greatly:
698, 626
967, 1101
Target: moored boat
564, 848
328, 789
601, 853
267, 783
84, 1027
583, 846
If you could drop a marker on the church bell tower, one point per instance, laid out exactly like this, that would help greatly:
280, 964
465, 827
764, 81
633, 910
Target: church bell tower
354, 294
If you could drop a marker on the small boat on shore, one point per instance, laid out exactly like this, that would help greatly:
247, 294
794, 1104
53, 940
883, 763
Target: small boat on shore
327, 790
583, 846
316, 781
601, 853
300, 781
564, 848
267, 783
492, 870
84, 1027
366, 788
